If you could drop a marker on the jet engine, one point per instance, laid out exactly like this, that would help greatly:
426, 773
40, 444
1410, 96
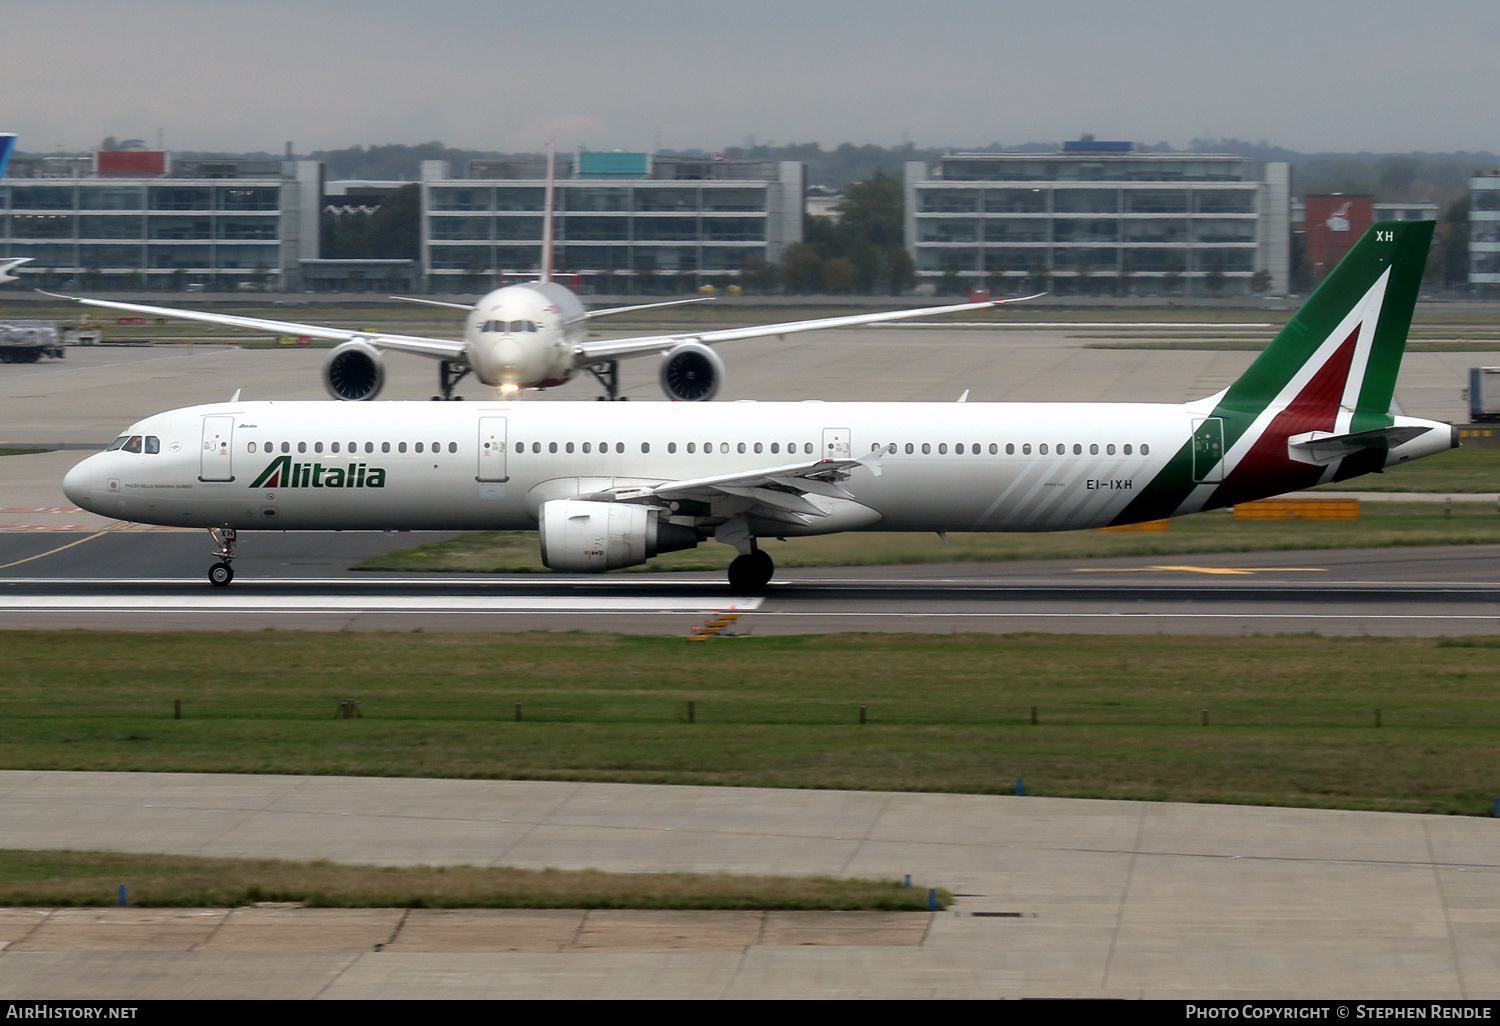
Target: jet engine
691, 372
354, 371
592, 537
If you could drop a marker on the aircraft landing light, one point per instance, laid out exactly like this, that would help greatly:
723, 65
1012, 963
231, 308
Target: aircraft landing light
1201, 569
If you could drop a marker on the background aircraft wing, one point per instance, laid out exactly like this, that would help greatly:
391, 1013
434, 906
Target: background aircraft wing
437, 348
604, 349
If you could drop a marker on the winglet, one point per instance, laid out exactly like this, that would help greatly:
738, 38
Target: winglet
7, 143
1019, 299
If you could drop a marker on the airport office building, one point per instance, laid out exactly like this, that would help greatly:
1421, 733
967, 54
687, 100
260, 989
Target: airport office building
1101, 217
625, 222
135, 219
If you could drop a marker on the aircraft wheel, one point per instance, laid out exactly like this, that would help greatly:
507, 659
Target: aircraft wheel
764, 565
749, 574
220, 574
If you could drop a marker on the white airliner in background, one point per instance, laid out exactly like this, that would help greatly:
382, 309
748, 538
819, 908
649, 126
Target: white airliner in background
532, 335
8, 264
611, 487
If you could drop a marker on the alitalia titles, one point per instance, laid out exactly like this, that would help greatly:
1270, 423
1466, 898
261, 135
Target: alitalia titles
283, 473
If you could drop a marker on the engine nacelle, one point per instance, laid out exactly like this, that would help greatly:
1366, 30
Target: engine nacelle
691, 373
354, 371
591, 537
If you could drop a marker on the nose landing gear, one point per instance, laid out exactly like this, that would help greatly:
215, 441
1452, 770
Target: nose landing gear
221, 573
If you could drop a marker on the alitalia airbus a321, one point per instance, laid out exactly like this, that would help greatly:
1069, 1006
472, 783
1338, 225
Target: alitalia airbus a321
611, 486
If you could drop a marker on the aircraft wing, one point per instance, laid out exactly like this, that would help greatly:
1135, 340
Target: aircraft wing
776, 493
437, 348
606, 349
9, 265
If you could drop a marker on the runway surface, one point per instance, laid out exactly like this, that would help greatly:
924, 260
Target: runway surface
155, 581
1056, 898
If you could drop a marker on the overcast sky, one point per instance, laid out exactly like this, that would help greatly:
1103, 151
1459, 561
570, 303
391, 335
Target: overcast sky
1381, 75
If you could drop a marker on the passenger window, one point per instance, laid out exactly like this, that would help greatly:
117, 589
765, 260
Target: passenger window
1093, 450
385, 446
153, 445
354, 447
418, 447
604, 447
807, 448
645, 446
1042, 449
724, 447
437, 446
891, 449
975, 448
334, 447
1010, 448
959, 449
994, 449
537, 447
400, 446
1127, 449
317, 447
741, 447
134, 444
692, 447
910, 448
250, 447
1026, 449
942, 448
775, 448
620, 447
671, 447
570, 446
452, 447
286, 446
1077, 449
301, 446
1109, 450
369, 447
1145, 449
926, 448
551, 446
587, 446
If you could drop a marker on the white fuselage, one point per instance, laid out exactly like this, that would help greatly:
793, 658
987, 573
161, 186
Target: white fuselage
524, 336
490, 466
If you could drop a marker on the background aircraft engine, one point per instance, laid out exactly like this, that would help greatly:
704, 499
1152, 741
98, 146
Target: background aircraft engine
691, 372
592, 537
354, 371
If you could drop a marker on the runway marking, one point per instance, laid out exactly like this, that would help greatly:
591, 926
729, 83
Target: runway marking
1202, 569
222, 601
39, 555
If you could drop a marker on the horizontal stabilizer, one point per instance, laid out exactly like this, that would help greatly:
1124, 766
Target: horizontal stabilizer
1324, 447
9, 265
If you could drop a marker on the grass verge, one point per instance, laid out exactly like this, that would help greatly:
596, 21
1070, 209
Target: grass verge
73, 878
1380, 525
1292, 718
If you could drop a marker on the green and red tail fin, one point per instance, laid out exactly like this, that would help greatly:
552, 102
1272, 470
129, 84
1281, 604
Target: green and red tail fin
1330, 372
1353, 328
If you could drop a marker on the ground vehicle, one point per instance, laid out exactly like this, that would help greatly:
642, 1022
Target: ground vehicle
29, 341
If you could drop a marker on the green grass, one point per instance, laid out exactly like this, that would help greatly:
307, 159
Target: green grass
73, 878
22, 452
1120, 716
1381, 524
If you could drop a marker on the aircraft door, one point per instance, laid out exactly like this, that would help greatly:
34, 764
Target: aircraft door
1208, 450
836, 444
492, 450
215, 461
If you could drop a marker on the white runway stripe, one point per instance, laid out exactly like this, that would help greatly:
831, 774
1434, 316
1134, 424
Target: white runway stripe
229, 601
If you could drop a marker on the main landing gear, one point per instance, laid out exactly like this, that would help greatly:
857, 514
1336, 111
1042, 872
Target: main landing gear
607, 374
449, 375
221, 573
750, 574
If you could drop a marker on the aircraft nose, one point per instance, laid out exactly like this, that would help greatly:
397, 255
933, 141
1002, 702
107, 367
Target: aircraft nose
77, 483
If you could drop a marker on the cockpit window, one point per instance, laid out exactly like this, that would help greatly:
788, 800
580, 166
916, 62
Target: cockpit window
118, 443
517, 325
133, 444
531, 325
153, 445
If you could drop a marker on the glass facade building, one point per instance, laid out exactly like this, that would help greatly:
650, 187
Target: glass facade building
623, 223
1105, 218
1484, 229
222, 225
